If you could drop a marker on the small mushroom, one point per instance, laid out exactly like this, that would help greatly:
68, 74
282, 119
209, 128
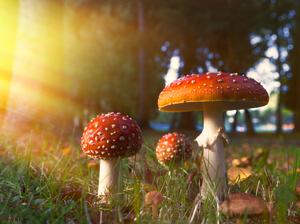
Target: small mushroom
110, 137
173, 148
153, 200
212, 93
242, 204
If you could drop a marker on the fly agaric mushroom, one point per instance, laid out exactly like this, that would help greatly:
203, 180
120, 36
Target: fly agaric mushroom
110, 137
153, 199
173, 148
241, 204
212, 93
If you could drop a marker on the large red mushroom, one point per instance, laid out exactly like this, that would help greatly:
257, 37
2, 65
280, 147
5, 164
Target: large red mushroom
110, 137
213, 93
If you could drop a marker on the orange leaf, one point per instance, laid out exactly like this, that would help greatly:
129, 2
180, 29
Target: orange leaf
66, 151
236, 174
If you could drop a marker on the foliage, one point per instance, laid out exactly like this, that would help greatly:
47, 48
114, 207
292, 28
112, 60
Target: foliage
53, 182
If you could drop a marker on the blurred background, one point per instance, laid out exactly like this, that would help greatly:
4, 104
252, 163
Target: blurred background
63, 62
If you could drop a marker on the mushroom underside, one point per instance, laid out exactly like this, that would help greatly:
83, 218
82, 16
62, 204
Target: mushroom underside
222, 104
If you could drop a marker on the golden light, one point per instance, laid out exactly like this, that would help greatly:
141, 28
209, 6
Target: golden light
8, 29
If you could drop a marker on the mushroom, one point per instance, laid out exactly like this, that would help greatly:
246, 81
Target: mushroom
173, 148
110, 137
242, 204
212, 93
153, 199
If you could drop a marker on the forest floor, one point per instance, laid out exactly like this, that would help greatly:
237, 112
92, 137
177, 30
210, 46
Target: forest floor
50, 181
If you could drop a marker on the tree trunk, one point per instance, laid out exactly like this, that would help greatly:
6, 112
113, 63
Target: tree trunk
235, 121
37, 95
142, 117
249, 123
297, 121
279, 112
295, 67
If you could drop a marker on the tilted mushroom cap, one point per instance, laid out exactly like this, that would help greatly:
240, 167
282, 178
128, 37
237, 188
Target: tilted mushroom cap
227, 91
239, 204
173, 147
111, 135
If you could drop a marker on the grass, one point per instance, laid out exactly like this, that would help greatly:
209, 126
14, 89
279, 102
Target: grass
51, 181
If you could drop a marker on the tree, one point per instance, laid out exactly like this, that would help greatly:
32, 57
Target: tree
113, 57
293, 95
278, 25
230, 41
37, 96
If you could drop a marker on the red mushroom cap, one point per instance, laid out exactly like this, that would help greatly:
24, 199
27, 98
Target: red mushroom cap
173, 147
111, 135
228, 91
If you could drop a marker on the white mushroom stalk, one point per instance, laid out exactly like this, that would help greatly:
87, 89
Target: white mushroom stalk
109, 172
212, 140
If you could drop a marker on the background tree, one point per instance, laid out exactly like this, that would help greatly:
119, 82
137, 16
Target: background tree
293, 95
277, 29
38, 95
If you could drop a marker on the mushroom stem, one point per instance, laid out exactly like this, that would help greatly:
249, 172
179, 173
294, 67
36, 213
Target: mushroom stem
212, 139
108, 176
155, 211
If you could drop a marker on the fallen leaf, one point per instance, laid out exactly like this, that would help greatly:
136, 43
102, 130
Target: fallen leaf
66, 151
242, 162
237, 174
235, 162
